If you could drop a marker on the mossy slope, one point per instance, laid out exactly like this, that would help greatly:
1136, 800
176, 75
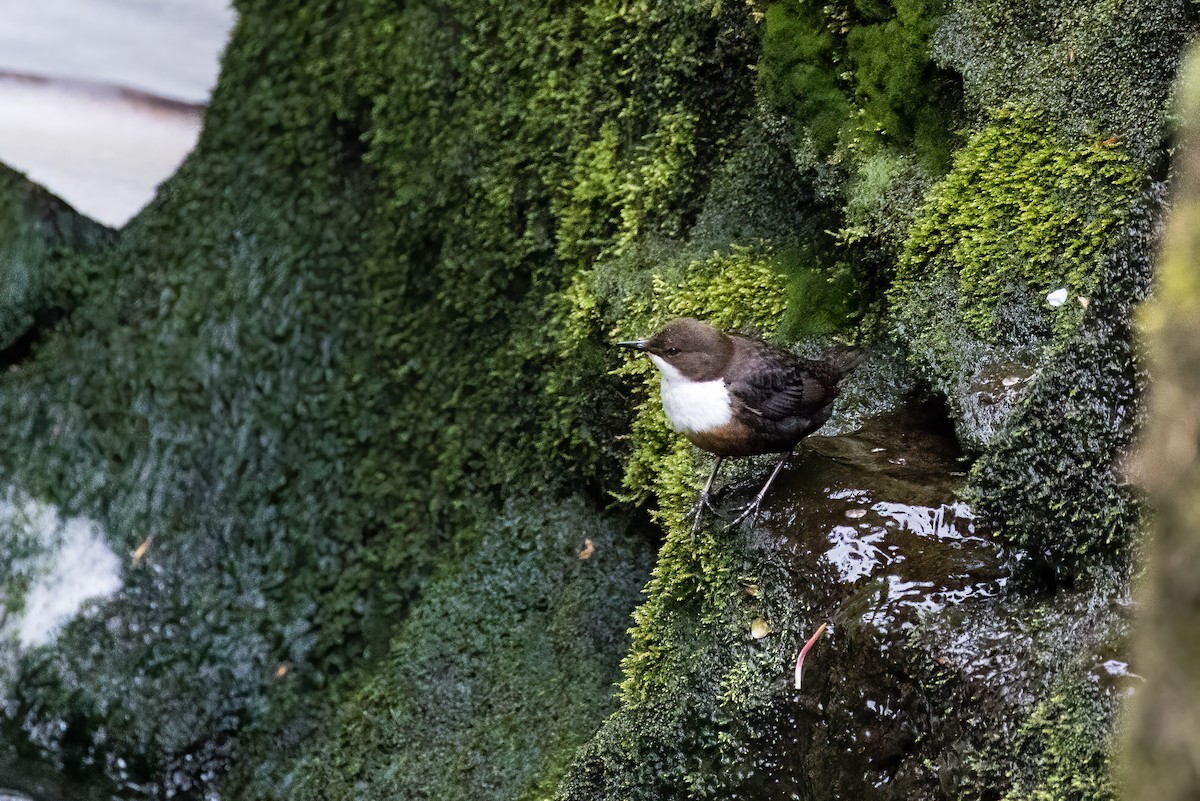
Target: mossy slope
375, 305
496, 677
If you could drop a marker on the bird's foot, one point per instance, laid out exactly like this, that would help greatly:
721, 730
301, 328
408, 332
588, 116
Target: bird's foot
702, 503
750, 510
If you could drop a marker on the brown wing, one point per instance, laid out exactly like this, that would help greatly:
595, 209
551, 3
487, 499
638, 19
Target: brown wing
786, 387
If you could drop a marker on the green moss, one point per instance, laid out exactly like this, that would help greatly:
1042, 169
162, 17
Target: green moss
1020, 213
1050, 480
1068, 733
852, 76
496, 676
697, 682
40, 240
872, 119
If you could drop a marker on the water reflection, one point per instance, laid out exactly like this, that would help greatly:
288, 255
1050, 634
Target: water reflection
876, 515
870, 531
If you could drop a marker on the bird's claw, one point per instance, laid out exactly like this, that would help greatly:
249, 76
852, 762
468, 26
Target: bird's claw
702, 503
748, 511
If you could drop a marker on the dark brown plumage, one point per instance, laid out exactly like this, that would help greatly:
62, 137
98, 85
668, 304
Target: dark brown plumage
735, 396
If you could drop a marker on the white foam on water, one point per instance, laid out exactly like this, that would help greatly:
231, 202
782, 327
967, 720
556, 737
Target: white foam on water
68, 564
83, 568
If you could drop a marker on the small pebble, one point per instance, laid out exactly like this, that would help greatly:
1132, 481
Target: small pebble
1011, 381
855, 514
759, 629
1082, 301
1057, 298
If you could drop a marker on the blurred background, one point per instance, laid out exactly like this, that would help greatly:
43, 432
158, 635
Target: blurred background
101, 99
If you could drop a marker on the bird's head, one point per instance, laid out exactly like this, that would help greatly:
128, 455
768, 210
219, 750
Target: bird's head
690, 348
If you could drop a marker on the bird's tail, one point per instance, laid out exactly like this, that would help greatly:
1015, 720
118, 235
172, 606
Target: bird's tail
845, 358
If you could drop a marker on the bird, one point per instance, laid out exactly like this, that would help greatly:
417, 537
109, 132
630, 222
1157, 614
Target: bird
736, 396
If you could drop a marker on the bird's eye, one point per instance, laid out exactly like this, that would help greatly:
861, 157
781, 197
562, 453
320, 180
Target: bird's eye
671, 351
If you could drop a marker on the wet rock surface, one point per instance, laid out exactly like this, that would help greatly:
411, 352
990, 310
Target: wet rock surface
867, 531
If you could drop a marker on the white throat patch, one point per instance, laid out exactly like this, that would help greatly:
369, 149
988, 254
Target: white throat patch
693, 406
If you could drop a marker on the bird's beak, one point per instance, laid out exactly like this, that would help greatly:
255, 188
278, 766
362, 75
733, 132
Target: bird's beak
636, 344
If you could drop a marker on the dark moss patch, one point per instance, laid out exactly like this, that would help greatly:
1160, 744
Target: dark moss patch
1052, 480
41, 242
495, 678
1092, 67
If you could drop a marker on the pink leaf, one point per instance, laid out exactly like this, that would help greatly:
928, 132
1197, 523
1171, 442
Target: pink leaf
800, 659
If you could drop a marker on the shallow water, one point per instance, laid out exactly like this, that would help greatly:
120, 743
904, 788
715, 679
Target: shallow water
867, 532
877, 513
867, 528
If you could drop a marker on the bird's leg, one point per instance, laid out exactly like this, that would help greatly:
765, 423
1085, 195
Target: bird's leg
751, 510
703, 500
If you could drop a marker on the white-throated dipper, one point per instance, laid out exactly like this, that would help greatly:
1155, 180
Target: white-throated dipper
733, 395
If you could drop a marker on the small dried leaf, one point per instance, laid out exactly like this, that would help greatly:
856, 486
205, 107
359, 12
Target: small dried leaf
803, 651
589, 548
141, 550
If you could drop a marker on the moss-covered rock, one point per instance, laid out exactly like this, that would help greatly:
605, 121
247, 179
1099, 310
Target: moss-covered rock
497, 675
1052, 480
1046, 393
375, 306
40, 232
1021, 211
1021, 214
1024, 695
1093, 68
